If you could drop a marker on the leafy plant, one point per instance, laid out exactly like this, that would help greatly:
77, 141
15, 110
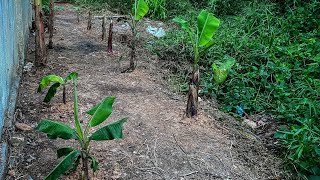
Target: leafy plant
139, 10
220, 73
302, 141
201, 40
277, 48
99, 113
57, 82
157, 8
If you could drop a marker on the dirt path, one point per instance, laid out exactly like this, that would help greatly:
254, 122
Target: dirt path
159, 143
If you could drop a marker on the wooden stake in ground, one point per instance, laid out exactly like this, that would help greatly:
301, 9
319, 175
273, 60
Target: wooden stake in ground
50, 28
192, 105
78, 17
40, 55
89, 21
110, 37
103, 28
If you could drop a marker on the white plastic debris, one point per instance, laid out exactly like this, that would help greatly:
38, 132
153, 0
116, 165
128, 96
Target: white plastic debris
28, 67
157, 32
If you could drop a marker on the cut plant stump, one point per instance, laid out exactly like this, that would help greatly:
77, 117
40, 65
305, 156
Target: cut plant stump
110, 37
40, 55
50, 28
89, 21
192, 105
103, 28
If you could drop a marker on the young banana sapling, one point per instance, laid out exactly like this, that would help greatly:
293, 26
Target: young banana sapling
139, 10
58, 81
99, 113
201, 39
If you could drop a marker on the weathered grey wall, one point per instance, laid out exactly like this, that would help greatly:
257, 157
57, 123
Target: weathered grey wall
15, 20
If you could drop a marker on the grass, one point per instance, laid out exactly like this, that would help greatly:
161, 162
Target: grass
276, 45
277, 69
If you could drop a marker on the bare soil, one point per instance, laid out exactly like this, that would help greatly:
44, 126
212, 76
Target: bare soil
159, 141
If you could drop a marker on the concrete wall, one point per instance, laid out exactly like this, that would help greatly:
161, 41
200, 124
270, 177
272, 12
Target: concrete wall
15, 20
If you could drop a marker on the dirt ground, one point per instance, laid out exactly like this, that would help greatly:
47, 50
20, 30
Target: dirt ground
159, 142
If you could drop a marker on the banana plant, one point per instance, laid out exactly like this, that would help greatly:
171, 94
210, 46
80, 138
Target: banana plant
139, 10
72, 156
202, 40
58, 81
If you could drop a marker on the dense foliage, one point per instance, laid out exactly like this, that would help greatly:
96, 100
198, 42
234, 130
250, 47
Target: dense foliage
276, 47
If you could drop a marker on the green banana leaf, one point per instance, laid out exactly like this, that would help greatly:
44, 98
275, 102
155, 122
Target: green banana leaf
109, 132
207, 26
72, 76
185, 25
220, 73
51, 92
140, 9
94, 163
45, 81
64, 151
56, 129
101, 111
65, 165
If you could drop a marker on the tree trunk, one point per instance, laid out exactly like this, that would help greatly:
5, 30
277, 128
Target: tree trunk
104, 28
192, 105
50, 28
110, 37
40, 55
89, 21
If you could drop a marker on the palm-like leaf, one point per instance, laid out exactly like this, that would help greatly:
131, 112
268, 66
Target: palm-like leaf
72, 76
45, 81
109, 132
65, 165
185, 25
101, 111
51, 92
94, 163
140, 9
56, 130
64, 151
220, 73
207, 26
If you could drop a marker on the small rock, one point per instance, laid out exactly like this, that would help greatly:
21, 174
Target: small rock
16, 140
250, 123
11, 173
28, 67
23, 127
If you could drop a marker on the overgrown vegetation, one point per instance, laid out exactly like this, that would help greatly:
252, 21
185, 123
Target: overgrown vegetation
276, 47
99, 113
